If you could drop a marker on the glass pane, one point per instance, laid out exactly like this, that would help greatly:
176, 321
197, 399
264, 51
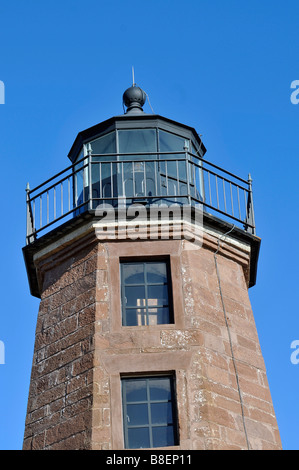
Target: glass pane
106, 179
79, 187
183, 191
138, 415
129, 187
151, 176
137, 140
170, 142
182, 170
172, 188
135, 317
133, 273
138, 438
156, 273
104, 144
173, 143
135, 390
161, 413
144, 430
198, 175
160, 388
157, 295
139, 179
135, 296
158, 316
95, 173
163, 436
80, 156
172, 169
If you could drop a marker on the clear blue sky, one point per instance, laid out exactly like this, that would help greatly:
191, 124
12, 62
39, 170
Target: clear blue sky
223, 67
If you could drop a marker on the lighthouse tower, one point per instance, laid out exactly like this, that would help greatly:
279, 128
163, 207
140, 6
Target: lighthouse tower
142, 253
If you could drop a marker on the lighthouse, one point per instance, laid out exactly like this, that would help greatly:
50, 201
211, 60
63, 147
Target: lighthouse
142, 252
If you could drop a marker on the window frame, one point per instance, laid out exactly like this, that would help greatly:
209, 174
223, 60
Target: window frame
144, 261
148, 402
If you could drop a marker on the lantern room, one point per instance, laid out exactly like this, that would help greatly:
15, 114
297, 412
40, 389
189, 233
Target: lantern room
137, 157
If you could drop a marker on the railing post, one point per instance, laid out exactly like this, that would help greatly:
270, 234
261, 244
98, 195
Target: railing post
90, 202
186, 148
250, 211
29, 218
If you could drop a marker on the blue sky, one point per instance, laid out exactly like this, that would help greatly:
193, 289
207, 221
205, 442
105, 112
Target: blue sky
226, 69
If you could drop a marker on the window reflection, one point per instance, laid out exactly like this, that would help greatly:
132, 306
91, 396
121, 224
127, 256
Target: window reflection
145, 293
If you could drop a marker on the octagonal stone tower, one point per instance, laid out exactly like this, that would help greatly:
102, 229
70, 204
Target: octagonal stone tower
142, 253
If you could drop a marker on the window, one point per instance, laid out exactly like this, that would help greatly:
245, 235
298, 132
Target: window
104, 144
137, 140
173, 173
103, 173
149, 412
145, 295
172, 143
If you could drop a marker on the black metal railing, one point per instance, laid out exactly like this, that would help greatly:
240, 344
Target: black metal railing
148, 178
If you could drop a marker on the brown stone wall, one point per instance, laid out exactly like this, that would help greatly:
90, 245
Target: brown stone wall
215, 410
82, 350
196, 348
59, 414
